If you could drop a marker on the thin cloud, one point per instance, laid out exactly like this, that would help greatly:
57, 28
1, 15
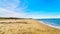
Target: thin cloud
11, 8
9, 13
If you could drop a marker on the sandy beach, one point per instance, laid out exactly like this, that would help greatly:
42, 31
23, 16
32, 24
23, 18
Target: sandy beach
25, 26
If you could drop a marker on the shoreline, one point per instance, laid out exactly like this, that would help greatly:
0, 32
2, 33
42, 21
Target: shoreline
49, 25
26, 26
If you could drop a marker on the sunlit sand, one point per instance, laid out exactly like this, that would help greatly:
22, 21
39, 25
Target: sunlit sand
25, 26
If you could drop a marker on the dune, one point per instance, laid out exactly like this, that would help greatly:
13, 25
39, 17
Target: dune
25, 26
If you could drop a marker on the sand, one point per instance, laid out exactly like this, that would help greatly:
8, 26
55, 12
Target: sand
25, 26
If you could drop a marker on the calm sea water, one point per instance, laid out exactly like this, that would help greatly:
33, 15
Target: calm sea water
53, 22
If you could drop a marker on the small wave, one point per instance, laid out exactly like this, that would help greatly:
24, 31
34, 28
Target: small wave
58, 27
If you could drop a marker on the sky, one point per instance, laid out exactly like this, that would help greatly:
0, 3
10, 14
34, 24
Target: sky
30, 8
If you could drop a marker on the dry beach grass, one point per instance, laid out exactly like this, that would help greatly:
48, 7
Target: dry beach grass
25, 26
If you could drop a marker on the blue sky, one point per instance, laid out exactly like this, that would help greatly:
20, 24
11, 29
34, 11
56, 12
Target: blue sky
30, 8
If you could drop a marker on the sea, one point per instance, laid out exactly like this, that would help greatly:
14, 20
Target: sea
53, 22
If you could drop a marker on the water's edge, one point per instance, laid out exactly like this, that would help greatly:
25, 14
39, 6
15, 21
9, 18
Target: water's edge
50, 22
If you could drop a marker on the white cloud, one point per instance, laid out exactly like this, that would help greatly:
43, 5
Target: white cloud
42, 16
9, 13
14, 8
9, 4
9, 8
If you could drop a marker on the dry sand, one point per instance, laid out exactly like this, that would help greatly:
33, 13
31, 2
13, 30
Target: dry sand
25, 26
